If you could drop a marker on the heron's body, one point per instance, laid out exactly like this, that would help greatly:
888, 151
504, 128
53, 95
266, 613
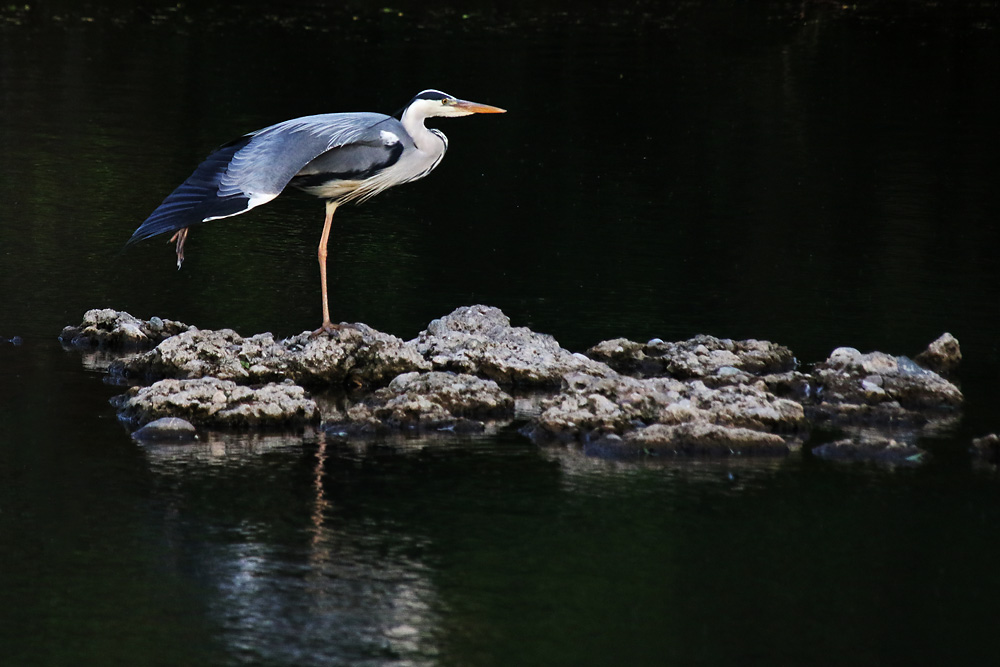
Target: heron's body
362, 169
340, 157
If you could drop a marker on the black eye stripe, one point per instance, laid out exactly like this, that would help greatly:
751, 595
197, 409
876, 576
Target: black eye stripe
432, 95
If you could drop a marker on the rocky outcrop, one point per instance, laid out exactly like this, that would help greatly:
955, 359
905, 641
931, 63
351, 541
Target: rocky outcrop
107, 328
590, 408
427, 401
479, 340
699, 357
216, 402
702, 396
354, 356
942, 356
852, 388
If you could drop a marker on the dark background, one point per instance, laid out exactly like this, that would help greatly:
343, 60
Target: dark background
818, 174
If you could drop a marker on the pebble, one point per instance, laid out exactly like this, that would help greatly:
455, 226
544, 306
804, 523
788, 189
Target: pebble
167, 428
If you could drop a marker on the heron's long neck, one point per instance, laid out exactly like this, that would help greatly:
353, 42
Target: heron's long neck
426, 140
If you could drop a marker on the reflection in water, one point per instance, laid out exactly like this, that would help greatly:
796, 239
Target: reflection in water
337, 605
219, 449
589, 474
398, 548
335, 595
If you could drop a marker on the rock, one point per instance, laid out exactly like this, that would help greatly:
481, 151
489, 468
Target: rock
358, 356
987, 448
589, 407
942, 356
428, 401
194, 354
844, 357
107, 328
222, 354
874, 449
699, 357
629, 357
793, 385
165, 429
216, 402
480, 341
851, 387
704, 396
700, 439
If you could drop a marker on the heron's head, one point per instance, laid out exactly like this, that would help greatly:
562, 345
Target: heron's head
435, 103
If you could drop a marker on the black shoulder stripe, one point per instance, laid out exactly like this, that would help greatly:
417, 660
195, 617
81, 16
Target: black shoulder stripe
392, 155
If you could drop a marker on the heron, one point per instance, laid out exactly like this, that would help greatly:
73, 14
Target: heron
339, 157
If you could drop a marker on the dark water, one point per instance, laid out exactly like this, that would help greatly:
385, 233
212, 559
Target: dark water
813, 174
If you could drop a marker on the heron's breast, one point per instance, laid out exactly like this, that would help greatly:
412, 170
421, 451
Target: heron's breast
326, 186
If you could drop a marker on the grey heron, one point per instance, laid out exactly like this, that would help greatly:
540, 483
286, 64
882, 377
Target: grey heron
339, 157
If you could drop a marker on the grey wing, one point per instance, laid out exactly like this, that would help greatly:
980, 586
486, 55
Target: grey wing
255, 168
357, 170
274, 155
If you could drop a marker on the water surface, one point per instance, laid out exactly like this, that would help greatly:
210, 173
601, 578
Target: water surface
819, 180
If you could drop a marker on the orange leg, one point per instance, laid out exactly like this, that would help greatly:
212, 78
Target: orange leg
327, 326
180, 236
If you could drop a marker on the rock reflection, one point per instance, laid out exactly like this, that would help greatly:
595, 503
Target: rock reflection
220, 448
730, 474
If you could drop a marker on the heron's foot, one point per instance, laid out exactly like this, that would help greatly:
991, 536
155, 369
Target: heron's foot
180, 237
329, 328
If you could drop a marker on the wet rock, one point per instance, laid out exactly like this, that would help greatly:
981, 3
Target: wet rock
167, 429
943, 356
590, 407
479, 340
703, 396
987, 448
873, 449
851, 387
793, 385
694, 439
222, 354
428, 401
216, 402
358, 356
107, 328
699, 357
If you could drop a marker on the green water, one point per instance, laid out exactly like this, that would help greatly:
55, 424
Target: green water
816, 179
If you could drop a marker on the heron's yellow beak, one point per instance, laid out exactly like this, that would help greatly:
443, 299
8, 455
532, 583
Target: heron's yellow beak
476, 107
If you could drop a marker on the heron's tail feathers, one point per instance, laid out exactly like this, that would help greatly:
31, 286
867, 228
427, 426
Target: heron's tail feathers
196, 199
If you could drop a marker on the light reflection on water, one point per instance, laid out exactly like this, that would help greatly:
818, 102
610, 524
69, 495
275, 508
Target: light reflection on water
359, 577
336, 604
329, 592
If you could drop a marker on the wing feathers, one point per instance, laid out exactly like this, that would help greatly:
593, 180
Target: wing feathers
196, 199
277, 153
255, 169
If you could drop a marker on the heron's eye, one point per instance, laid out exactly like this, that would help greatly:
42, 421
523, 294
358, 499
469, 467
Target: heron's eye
448, 101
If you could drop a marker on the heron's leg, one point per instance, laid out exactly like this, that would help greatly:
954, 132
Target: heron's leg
327, 326
180, 236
